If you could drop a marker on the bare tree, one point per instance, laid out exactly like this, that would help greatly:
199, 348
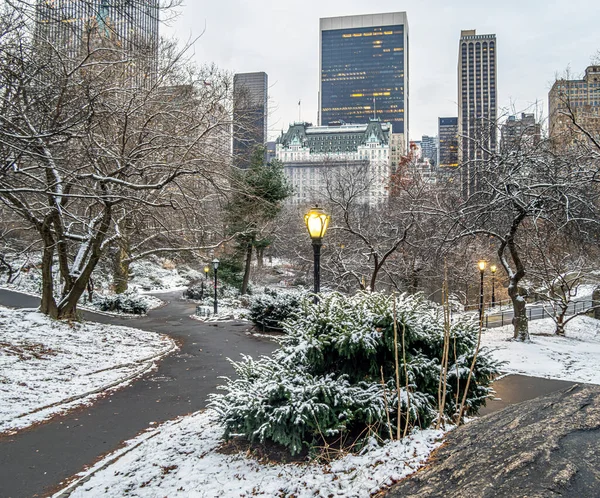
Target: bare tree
90, 146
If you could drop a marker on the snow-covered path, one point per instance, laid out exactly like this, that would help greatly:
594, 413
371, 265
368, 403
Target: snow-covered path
35, 461
48, 366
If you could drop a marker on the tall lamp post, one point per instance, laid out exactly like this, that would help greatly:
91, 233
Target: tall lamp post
493, 269
215, 263
317, 222
481, 265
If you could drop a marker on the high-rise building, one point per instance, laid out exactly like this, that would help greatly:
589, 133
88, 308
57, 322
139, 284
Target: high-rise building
448, 142
429, 148
363, 70
250, 99
575, 100
131, 24
477, 103
518, 133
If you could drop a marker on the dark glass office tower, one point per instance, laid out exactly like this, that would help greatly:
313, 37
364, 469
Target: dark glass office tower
364, 70
250, 98
448, 147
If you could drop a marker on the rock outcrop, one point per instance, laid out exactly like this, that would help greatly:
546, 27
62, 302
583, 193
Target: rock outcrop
548, 446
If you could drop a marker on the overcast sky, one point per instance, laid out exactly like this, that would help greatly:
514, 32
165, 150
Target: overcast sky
536, 39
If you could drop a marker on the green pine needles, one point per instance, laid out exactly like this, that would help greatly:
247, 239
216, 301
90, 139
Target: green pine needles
335, 374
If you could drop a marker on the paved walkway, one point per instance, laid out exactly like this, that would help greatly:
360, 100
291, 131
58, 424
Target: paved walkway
36, 460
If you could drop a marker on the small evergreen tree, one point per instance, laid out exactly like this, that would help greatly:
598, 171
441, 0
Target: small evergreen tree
258, 200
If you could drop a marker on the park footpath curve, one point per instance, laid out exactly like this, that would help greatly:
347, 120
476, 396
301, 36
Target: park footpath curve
37, 460
40, 459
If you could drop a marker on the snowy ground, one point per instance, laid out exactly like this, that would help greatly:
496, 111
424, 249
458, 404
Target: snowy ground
575, 357
47, 366
181, 458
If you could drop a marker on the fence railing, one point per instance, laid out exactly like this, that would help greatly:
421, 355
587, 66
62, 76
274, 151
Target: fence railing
500, 318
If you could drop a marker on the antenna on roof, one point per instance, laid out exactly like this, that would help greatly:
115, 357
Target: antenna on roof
374, 109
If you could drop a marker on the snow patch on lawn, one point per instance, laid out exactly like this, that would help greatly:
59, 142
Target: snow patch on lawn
47, 366
574, 357
181, 458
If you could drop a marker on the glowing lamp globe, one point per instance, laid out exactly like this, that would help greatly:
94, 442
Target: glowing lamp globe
317, 222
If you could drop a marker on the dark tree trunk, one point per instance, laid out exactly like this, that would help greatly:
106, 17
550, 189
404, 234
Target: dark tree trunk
521, 329
520, 324
247, 268
260, 260
560, 321
48, 304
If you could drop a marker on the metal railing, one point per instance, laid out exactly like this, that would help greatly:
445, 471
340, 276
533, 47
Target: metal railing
536, 312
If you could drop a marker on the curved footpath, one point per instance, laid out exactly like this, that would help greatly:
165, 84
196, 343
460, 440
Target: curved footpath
36, 460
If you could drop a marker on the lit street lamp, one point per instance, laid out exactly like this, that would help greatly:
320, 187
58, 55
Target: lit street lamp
317, 222
206, 270
493, 269
215, 263
481, 265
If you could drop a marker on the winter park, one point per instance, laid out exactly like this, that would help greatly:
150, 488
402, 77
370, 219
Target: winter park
204, 292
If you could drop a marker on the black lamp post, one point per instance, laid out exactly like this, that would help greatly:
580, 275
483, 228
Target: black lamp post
317, 222
206, 270
493, 269
481, 265
215, 263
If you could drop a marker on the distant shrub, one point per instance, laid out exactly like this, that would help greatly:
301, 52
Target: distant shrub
271, 308
197, 291
128, 302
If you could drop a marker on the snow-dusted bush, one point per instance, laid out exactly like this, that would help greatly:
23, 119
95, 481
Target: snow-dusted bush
270, 308
325, 380
128, 302
198, 291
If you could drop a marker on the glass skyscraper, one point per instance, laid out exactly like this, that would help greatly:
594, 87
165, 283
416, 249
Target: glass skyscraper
132, 24
250, 106
477, 104
363, 70
448, 138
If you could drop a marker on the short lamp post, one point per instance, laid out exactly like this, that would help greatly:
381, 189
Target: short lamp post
481, 265
206, 270
215, 263
493, 269
317, 222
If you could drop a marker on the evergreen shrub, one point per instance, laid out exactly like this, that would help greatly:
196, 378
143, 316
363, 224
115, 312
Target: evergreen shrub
128, 302
325, 380
270, 308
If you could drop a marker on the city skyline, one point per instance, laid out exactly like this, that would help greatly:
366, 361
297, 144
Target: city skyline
286, 47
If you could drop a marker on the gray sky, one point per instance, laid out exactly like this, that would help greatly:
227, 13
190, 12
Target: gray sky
536, 40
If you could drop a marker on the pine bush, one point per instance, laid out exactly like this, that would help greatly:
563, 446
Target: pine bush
325, 380
271, 308
128, 302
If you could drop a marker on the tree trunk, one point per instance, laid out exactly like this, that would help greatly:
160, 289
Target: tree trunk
374, 278
260, 260
121, 269
48, 304
247, 268
520, 324
560, 321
